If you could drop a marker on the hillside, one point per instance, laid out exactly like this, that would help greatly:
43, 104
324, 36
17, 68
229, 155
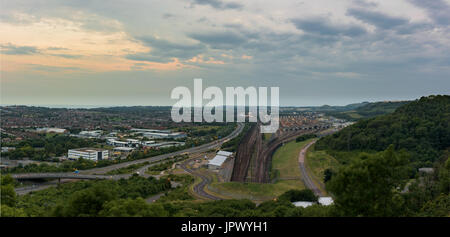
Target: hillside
422, 127
366, 110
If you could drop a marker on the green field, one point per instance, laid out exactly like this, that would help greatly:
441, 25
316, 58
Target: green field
284, 164
255, 191
285, 160
318, 161
267, 136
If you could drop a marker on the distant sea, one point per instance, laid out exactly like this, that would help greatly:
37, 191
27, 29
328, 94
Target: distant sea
63, 106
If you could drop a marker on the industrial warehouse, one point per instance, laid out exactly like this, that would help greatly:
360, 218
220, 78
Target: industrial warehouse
94, 154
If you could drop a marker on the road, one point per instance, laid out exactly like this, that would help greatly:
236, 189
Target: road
199, 188
96, 172
304, 173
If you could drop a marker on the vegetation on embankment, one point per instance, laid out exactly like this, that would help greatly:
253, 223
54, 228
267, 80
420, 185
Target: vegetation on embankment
321, 164
421, 127
367, 110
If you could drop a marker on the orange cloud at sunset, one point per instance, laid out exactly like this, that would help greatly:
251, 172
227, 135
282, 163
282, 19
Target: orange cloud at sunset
66, 45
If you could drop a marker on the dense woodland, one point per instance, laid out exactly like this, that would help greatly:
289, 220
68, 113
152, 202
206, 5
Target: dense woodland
421, 127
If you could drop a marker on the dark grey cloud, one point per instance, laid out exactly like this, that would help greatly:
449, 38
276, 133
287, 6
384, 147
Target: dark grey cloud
383, 21
46, 68
377, 19
18, 50
322, 26
11, 49
364, 3
220, 40
438, 10
168, 15
164, 51
218, 4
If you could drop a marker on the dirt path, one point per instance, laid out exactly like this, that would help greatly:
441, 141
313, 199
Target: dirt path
307, 180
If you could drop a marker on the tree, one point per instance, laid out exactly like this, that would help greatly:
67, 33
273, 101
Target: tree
440, 207
132, 208
7, 211
328, 174
89, 202
8, 195
298, 195
7, 180
444, 177
368, 187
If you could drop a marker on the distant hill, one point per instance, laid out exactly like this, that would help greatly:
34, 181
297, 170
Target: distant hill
422, 127
329, 108
363, 110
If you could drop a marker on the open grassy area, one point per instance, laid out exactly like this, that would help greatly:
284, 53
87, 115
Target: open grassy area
284, 164
285, 160
267, 136
318, 161
256, 191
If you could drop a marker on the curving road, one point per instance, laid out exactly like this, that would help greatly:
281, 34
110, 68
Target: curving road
199, 188
304, 173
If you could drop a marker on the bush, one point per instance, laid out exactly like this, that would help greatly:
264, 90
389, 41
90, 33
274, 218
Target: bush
298, 195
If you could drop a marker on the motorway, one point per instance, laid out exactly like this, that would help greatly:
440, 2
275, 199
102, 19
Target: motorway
99, 173
304, 173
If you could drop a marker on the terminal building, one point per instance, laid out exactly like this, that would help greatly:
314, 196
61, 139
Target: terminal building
216, 162
94, 154
220, 158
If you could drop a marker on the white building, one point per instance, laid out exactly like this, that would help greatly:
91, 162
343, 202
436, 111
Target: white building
94, 133
133, 142
114, 142
6, 149
164, 144
303, 204
142, 130
216, 162
325, 201
124, 149
147, 143
159, 135
225, 153
95, 154
51, 130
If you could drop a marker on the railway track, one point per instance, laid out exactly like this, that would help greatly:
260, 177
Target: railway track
254, 157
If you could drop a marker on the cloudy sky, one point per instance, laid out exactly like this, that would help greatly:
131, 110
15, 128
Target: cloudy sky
135, 52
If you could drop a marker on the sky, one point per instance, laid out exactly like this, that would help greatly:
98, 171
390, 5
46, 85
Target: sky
135, 52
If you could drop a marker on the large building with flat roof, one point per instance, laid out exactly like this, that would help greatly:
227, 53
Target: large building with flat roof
95, 154
220, 158
216, 162
158, 135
